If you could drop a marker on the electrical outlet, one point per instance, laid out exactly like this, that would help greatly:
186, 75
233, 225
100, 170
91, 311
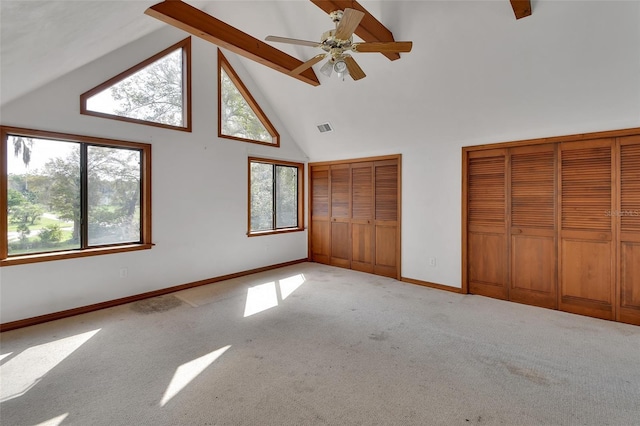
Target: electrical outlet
431, 262
124, 272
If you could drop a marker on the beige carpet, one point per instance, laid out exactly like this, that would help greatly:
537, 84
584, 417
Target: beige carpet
311, 344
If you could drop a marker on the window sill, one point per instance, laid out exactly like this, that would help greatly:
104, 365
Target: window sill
71, 254
272, 232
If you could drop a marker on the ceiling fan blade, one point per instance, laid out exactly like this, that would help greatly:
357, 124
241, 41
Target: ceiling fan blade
311, 62
383, 46
194, 21
350, 20
354, 69
293, 41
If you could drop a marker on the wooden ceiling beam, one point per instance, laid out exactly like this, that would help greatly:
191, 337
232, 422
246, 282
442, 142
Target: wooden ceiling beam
198, 23
369, 30
521, 8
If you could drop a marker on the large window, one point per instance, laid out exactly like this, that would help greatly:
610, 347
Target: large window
275, 196
71, 196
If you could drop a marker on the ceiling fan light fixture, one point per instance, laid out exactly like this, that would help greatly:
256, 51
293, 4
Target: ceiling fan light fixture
340, 66
327, 68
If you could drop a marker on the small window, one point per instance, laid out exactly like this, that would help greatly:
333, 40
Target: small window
155, 92
275, 196
240, 117
71, 196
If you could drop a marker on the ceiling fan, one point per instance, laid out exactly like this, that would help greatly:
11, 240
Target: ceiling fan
336, 44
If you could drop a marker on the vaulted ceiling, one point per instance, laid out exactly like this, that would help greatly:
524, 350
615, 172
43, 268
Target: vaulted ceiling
474, 69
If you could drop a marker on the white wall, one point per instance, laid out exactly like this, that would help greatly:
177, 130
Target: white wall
199, 192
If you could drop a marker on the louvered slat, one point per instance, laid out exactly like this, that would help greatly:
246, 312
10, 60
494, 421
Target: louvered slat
586, 189
320, 189
630, 188
386, 187
362, 192
340, 192
532, 190
486, 191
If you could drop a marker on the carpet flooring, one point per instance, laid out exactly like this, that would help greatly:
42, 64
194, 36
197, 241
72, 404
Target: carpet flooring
310, 344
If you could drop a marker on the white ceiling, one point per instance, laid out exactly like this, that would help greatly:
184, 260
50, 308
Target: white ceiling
474, 72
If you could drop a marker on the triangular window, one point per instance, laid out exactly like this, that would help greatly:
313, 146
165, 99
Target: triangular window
156, 92
240, 116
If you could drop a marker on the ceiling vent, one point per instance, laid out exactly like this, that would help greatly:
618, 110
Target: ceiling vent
325, 127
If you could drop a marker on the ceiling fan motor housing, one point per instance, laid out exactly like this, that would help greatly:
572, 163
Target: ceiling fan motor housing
336, 16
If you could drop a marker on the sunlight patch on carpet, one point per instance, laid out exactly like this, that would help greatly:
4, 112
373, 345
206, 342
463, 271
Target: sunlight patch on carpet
260, 298
189, 371
291, 284
56, 421
29, 367
266, 296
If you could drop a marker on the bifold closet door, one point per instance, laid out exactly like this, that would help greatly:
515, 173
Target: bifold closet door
320, 242
586, 249
362, 226
340, 188
629, 225
355, 214
387, 229
532, 226
487, 226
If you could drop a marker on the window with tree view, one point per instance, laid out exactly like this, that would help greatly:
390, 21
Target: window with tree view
240, 116
275, 196
70, 193
155, 91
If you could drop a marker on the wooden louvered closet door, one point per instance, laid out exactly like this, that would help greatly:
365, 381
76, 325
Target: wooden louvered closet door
320, 239
629, 225
586, 247
362, 209
487, 225
387, 230
532, 226
355, 214
340, 188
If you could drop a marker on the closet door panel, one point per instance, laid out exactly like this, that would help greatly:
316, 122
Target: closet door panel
532, 225
630, 283
386, 190
340, 244
385, 257
587, 253
629, 217
386, 215
487, 267
340, 178
362, 209
362, 247
362, 191
340, 191
586, 272
533, 266
320, 243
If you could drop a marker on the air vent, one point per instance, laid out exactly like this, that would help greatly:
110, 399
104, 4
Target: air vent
325, 127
